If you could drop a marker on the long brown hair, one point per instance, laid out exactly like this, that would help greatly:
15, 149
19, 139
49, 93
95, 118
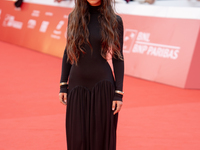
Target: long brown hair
78, 33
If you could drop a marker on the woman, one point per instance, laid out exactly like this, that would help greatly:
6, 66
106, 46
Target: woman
94, 96
18, 4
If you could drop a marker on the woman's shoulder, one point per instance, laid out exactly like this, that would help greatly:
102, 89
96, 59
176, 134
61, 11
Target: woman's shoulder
119, 19
69, 15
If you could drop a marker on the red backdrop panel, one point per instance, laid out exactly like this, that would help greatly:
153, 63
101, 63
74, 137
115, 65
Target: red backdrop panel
159, 49
39, 27
193, 79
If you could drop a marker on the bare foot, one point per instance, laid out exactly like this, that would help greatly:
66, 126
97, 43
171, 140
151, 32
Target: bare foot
150, 1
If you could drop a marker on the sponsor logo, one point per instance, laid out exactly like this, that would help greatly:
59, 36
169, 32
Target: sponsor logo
9, 21
65, 33
31, 24
35, 13
49, 14
55, 36
159, 50
0, 13
65, 16
142, 45
129, 39
56, 33
44, 26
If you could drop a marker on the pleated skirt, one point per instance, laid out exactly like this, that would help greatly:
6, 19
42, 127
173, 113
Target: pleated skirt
90, 123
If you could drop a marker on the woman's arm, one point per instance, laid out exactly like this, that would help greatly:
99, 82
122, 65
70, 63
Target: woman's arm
66, 66
118, 64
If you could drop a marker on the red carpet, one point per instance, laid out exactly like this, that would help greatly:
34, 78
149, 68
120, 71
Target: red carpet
154, 116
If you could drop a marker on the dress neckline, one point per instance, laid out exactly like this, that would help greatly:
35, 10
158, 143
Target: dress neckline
94, 9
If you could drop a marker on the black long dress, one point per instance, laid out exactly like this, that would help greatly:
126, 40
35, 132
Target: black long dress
90, 123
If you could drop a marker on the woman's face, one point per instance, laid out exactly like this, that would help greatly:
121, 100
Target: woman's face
94, 2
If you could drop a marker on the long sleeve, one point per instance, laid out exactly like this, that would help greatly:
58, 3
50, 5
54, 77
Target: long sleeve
118, 64
66, 66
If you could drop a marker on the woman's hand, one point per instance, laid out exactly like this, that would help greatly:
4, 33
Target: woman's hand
119, 105
63, 98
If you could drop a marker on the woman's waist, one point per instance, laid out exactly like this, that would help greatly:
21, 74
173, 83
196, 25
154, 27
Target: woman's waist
88, 84
77, 75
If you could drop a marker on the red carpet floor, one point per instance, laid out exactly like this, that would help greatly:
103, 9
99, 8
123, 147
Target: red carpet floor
154, 116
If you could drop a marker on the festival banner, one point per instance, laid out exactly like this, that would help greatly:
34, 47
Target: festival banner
38, 27
161, 49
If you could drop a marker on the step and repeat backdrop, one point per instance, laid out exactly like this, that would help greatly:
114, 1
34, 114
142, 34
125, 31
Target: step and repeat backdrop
38, 27
160, 49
